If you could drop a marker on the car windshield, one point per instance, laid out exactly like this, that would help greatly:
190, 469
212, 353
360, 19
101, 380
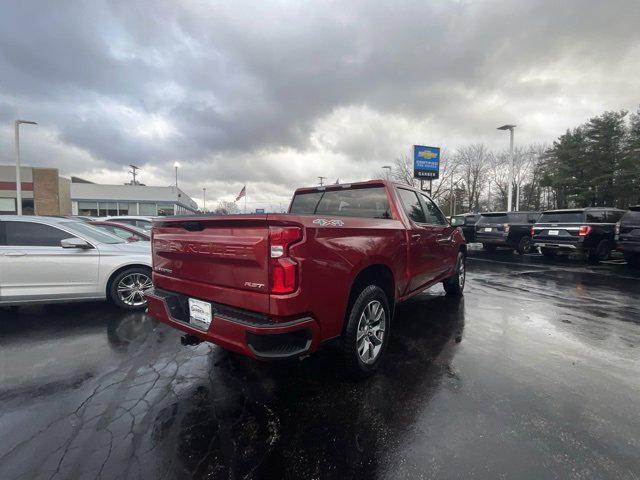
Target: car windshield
92, 232
496, 218
562, 217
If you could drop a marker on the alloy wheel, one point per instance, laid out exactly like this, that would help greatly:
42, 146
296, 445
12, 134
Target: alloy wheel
131, 289
371, 329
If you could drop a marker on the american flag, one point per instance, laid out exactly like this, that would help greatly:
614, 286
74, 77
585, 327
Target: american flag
242, 193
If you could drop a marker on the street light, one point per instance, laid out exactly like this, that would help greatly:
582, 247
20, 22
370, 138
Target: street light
388, 169
18, 179
176, 165
510, 189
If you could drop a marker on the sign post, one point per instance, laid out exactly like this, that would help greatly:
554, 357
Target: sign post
426, 164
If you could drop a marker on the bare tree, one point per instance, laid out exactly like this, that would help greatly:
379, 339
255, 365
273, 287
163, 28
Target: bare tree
226, 207
473, 165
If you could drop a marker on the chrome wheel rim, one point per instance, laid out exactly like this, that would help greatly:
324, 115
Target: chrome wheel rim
461, 273
131, 289
371, 329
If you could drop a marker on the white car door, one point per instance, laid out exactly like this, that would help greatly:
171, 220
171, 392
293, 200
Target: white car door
35, 267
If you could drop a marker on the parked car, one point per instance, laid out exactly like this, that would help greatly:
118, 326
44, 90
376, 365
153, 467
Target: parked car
279, 285
466, 221
506, 229
628, 235
55, 259
590, 231
143, 222
123, 230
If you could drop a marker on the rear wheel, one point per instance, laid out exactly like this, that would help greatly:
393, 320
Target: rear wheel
524, 245
366, 333
455, 284
548, 253
488, 247
128, 286
601, 252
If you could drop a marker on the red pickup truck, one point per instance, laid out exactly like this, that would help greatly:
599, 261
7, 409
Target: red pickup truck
279, 285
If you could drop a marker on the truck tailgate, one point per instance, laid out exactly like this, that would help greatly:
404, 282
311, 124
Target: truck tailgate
228, 254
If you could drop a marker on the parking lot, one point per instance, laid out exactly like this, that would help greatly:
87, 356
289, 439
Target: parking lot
532, 374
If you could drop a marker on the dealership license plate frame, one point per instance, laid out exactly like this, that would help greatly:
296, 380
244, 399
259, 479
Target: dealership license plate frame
200, 313
488, 229
554, 233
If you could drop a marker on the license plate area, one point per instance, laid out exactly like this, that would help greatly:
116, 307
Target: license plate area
554, 233
200, 314
488, 229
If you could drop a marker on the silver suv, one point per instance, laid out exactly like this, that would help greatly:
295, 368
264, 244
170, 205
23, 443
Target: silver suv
50, 259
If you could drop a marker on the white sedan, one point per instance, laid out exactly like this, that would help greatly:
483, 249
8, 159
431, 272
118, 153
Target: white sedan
51, 260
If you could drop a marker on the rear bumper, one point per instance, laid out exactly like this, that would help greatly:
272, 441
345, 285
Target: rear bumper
254, 335
491, 240
570, 247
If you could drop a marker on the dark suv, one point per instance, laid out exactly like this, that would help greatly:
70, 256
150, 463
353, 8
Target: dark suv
466, 221
506, 229
590, 231
628, 235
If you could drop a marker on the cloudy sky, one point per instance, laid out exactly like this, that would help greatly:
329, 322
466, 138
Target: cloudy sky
273, 94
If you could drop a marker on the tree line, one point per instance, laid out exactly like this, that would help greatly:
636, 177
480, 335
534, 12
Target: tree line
595, 164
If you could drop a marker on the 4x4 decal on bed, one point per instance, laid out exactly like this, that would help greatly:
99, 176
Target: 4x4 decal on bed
323, 222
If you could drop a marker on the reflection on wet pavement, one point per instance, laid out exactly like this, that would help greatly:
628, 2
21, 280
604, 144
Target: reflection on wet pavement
533, 374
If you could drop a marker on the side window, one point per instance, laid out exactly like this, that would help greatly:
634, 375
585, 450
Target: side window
29, 234
613, 216
432, 212
411, 205
595, 216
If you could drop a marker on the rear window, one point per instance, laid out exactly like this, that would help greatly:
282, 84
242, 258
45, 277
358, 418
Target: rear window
498, 218
562, 217
357, 202
631, 217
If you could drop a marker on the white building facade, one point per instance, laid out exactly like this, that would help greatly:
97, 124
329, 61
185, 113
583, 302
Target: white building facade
96, 200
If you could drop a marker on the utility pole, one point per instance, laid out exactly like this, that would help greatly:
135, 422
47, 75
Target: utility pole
134, 174
18, 178
204, 199
322, 180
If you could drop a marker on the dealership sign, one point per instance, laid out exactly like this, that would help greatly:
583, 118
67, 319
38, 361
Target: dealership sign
426, 162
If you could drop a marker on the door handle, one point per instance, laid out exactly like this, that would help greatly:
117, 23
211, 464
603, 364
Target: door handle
444, 238
15, 254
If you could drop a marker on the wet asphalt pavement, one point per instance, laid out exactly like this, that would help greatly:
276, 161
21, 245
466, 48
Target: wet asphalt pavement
535, 373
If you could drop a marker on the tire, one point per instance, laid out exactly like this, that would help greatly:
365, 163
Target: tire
488, 247
601, 252
524, 245
455, 284
362, 333
134, 281
548, 253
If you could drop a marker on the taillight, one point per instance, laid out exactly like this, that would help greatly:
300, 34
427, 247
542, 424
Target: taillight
584, 230
284, 270
506, 228
533, 231
618, 228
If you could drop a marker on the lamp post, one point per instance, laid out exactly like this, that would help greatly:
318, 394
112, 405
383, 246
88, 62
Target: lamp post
204, 199
510, 187
388, 169
18, 179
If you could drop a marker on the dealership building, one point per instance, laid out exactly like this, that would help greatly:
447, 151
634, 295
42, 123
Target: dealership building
44, 192
97, 200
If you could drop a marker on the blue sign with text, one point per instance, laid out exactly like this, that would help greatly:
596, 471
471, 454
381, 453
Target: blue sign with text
426, 162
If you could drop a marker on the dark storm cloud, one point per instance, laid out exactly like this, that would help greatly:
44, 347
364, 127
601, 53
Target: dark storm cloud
233, 89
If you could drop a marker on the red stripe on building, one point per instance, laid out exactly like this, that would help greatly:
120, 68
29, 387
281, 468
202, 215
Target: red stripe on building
26, 186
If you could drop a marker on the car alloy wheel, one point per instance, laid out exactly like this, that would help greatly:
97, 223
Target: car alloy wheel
462, 273
131, 289
371, 329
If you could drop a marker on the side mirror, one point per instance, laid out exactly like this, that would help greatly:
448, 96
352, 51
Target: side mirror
75, 242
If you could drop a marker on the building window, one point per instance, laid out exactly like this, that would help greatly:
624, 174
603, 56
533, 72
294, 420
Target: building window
107, 209
148, 209
27, 206
126, 208
165, 209
7, 206
88, 209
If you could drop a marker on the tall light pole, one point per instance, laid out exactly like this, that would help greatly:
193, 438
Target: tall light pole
18, 179
321, 180
388, 169
176, 165
204, 199
510, 188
